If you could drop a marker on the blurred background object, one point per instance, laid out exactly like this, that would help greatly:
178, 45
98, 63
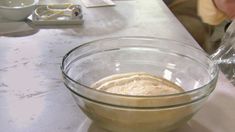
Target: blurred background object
209, 37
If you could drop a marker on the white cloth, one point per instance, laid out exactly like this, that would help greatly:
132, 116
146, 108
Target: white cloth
97, 3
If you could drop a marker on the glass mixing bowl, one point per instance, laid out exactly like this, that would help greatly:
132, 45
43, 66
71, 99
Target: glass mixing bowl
185, 65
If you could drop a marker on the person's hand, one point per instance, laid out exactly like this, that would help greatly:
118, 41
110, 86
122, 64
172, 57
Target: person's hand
226, 6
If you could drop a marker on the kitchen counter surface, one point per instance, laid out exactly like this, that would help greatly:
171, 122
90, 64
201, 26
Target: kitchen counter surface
32, 95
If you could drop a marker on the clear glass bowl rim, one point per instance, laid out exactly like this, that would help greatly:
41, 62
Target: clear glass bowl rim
139, 96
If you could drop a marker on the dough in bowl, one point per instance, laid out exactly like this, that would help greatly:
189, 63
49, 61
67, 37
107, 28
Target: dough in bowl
136, 83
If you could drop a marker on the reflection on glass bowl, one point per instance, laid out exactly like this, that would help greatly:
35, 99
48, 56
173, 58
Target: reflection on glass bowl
188, 67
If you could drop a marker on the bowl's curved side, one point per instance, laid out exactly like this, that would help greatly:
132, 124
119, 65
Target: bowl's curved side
87, 64
18, 12
138, 120
186, 66
16, 4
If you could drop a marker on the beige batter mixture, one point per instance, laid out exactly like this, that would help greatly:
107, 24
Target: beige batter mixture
138, 83
118, 119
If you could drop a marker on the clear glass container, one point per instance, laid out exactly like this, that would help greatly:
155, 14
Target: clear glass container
225, 54
185, 65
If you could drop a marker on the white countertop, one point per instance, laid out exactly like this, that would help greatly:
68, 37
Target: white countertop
33, 97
